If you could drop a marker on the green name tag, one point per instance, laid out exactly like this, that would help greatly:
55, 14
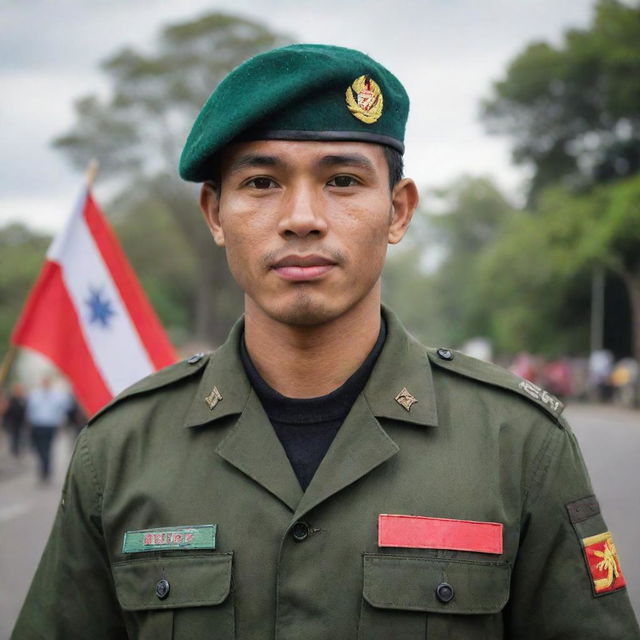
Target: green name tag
201, 536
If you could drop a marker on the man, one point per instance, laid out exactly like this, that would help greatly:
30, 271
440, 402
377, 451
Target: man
46, 411
13, 410
322, 475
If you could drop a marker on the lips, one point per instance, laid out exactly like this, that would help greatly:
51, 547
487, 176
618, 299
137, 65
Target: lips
301, 268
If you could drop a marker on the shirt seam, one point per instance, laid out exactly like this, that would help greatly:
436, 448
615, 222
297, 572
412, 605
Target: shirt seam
90, 467
543, 461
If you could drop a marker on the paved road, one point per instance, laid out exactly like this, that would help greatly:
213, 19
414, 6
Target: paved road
26, 515
610, 440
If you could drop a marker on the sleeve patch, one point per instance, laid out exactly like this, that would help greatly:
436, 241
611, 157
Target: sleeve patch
603, 563
598, 549
581, 510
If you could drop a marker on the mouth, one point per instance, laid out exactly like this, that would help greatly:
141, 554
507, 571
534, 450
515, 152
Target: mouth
301, 268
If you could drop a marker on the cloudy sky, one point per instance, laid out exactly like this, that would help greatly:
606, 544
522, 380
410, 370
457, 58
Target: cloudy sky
446, 52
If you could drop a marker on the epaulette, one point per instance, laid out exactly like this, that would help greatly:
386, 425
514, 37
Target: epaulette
498, 377
159, 379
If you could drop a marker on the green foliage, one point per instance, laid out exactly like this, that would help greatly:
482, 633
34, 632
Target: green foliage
572, 110
531, 301
439, 302
549, 258
521, 279
22, 253
408, 290
161, 259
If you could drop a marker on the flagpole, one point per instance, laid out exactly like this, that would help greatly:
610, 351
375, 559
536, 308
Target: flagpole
7, 362
92, 170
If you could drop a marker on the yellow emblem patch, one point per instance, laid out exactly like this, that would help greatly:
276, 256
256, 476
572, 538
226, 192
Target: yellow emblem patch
364, 100
604, 565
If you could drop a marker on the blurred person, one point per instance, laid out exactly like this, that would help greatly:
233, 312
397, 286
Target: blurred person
76, 417
558, 378
13, 417
624, 381
322, 474
525, 366
46, 411
600, 367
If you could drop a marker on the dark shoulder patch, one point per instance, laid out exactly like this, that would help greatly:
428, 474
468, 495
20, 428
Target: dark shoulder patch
498, 377
167, 376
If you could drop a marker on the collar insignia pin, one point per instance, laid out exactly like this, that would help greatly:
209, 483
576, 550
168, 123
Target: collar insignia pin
213, 398
405, 399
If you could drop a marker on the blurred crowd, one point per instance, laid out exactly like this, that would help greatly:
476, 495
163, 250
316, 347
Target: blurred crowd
32, 419
599, 378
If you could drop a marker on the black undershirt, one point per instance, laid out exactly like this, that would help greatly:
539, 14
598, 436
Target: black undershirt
306, 427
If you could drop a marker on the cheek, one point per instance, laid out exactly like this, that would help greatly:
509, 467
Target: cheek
241, 249
246, 240
239, 227
366, 233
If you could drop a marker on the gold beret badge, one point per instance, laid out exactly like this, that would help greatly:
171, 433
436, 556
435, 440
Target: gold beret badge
364, 100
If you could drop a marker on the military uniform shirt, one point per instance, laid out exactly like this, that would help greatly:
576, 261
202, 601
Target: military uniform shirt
181, 516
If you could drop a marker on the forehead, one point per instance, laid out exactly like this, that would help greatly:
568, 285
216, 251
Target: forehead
302, 154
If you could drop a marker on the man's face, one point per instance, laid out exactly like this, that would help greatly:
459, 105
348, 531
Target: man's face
306, 224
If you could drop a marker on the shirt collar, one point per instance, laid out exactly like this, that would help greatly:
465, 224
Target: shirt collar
401, 377
402, 372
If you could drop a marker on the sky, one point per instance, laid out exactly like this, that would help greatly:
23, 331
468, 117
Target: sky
447, 53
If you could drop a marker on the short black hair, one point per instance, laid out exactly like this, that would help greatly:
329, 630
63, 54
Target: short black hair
395, 164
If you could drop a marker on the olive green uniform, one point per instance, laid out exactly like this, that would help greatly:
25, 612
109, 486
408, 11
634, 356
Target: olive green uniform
173, 452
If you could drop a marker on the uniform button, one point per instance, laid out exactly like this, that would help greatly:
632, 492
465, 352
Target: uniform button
445, 354
195, 358
162, 589
300, 531
444, 592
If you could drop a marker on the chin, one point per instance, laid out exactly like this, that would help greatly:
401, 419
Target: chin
305, 311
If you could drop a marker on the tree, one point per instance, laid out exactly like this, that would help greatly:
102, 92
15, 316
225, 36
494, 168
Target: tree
432, 280
531, 301
161, 257
138, 131
550, 256
573, 114
572, 110
22, 253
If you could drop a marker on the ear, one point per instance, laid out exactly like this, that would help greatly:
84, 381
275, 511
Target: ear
404, 200
210, 207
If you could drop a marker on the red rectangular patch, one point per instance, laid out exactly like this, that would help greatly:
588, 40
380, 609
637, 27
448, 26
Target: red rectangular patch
419, 532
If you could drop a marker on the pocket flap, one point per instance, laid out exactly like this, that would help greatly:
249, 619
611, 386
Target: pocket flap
411, 583
193, 581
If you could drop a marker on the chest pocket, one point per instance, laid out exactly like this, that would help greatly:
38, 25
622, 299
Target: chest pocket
177, 597
407, 597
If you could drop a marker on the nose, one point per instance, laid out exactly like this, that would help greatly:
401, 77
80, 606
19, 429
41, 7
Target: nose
302, 213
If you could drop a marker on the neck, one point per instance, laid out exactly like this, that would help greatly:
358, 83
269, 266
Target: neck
311, 361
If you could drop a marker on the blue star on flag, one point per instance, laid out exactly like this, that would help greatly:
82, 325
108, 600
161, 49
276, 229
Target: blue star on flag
100, 308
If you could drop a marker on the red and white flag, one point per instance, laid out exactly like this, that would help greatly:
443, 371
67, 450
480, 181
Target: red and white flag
88, 313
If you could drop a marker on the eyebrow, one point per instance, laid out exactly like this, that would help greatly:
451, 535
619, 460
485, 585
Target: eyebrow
254, 160
350, 160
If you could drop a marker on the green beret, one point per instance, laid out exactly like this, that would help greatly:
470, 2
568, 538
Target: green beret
300, 92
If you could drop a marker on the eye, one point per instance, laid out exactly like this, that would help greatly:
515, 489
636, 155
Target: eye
262, 183
342, 181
